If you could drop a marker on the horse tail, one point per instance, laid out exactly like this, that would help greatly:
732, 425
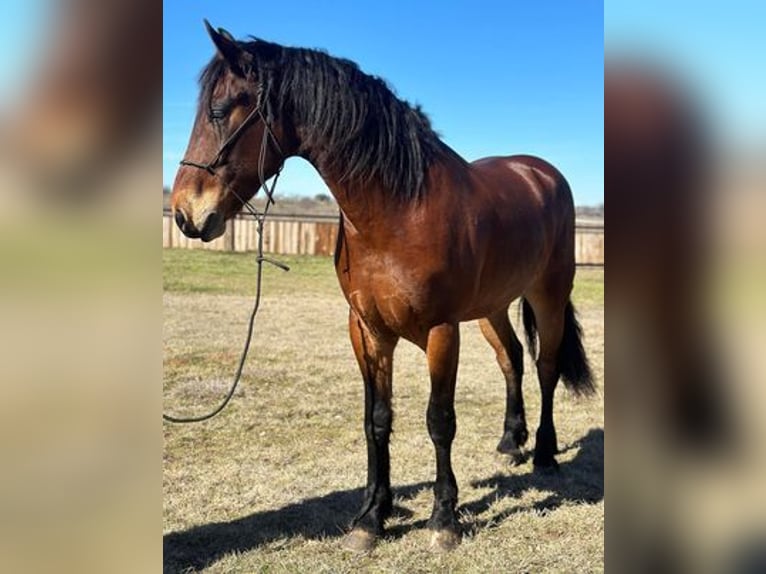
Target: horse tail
530, 327
572, 363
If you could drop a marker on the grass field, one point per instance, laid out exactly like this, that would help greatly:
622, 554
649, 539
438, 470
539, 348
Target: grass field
271, 484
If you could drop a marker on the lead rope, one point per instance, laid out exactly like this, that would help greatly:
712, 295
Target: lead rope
260, 259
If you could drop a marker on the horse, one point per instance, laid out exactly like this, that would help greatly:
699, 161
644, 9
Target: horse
426, 241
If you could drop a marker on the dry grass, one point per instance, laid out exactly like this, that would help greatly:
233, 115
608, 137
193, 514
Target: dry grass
271, 483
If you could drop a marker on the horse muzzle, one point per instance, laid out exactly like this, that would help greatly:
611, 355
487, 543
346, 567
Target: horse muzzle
213, 225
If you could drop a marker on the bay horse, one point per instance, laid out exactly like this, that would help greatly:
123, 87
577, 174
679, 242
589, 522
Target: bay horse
426, 240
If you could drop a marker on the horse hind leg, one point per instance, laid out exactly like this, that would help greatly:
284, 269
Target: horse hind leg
561, 354
548, 319
499, 333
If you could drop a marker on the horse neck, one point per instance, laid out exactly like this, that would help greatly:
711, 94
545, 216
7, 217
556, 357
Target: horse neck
370, 206
367, 205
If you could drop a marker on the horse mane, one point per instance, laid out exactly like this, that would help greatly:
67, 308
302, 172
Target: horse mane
360, 128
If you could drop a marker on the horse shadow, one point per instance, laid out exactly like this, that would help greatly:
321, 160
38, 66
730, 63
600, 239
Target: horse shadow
579, 480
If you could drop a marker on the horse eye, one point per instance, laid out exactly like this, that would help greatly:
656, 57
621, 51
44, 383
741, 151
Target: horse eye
222, 109
217, 113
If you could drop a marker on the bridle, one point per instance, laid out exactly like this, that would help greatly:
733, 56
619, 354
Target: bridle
210, 167
223, 151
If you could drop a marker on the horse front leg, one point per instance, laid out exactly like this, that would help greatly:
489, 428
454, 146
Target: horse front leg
442, 351
374, 353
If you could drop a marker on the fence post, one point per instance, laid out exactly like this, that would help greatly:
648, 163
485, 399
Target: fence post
228, 235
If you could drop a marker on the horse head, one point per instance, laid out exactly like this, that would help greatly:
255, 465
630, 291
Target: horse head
235, 146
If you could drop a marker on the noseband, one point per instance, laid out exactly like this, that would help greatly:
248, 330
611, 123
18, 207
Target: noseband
220, 157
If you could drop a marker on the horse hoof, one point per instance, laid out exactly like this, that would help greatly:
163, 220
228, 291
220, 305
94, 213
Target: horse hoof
359, 541
512, 441
518, 457
545, 465
506, 445
444, 540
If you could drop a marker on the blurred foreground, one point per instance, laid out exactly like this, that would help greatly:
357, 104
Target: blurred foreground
80, 290
686, 314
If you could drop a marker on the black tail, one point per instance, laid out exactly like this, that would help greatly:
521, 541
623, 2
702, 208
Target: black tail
530, 327
572, 362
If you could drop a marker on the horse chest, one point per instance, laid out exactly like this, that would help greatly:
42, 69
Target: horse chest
385, 296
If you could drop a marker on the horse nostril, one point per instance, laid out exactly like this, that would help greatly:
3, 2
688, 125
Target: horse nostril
185, 225
210, 223
180, 219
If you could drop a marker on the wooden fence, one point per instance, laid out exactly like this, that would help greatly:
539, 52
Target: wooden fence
589, 243
316, 235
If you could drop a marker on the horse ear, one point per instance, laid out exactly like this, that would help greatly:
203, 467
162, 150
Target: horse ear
227, 47
226, 34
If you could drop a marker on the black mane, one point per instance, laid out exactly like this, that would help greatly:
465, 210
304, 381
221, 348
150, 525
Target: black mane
362, 129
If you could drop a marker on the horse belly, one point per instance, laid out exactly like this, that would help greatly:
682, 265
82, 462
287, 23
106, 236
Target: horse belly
492, 297
505, 275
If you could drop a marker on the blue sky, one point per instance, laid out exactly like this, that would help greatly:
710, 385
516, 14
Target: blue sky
23, 25
717, 49
496, 78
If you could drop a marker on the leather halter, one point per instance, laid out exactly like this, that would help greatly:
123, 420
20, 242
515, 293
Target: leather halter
220, 157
